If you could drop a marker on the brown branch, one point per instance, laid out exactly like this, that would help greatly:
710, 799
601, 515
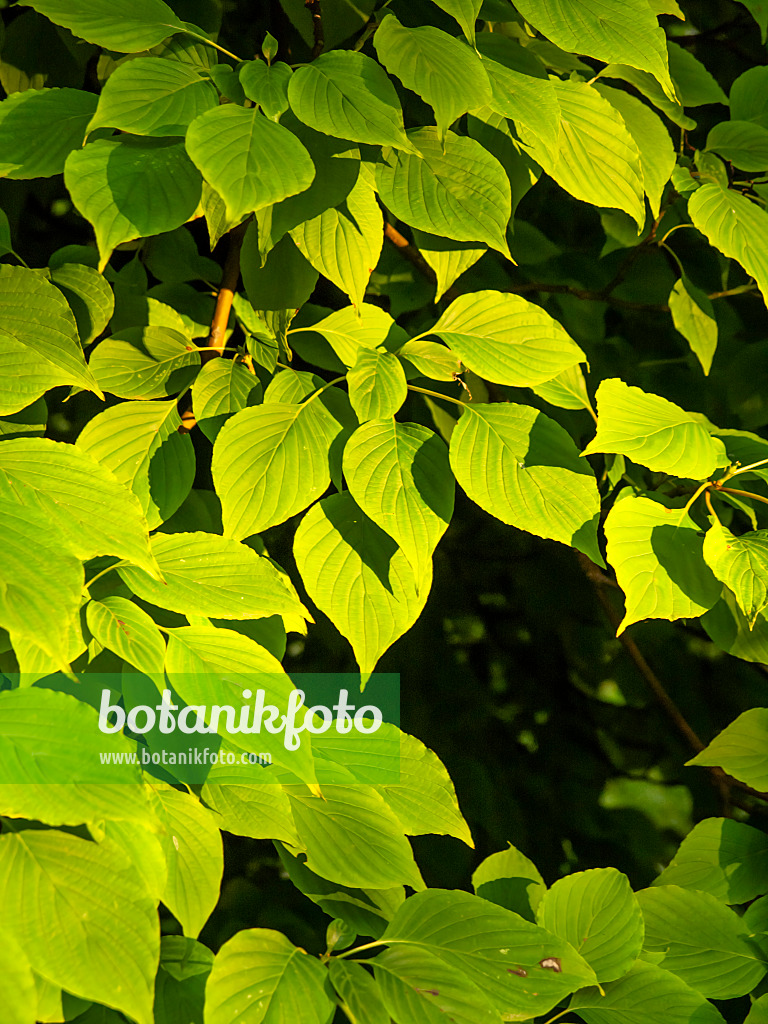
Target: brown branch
313, 6
409, 252
229, 280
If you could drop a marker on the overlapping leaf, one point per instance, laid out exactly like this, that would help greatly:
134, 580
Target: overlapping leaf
377, 385
204, 574
152, 96
400, 476
741, 749
356, 574
654, 432
125, 27
523, 468
506, 339
132, 186
40, 128
248, 159
735, 226
656, 550
454, 188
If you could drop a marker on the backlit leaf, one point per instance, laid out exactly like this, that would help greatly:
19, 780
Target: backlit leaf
454, 188
132, 186
735, 226
741, 749
506, 339
377, 386
356, 574
523, 468
125, 27
249, 160
694, 317
400, 476
40, 128
654, 432
741, 563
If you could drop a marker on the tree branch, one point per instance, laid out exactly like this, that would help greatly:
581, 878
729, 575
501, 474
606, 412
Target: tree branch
229, 281
313, 6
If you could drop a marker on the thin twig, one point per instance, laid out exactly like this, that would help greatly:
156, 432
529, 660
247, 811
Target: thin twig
313, 6
229, 281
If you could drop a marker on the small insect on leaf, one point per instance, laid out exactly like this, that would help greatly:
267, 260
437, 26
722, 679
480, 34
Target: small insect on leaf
519, 971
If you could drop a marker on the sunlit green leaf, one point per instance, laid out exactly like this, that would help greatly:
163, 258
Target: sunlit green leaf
694, 317
377, 386
741, 749
40, 128
125, 27
734, 225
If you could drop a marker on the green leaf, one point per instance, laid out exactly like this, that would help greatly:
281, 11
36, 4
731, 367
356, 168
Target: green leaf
377, 385
429, 359
337, 169
648, 86
344, 243
694, 84
758, 11
284, 282
568, 390
418, 987
254, 810
499, 138
125, 27
141, 444
145, 362
204, 574
271, 462
509, 879
347, 95
203, 661
180, 984
42, 580
735, 226
17, 983
653, 432
130, 187
465, 12
121, 626
260, 972
35, 315
656, 550
267, 85
89, 297
195, 859
597, 159
356, 574
742, 143
40, 128
423, 798
105, 944
597, 912
153, 96
523, 468
82, 497
248, 159
173, 258
359, 994
749, 96
447, 258
66, 785
506, 339
725, 858
446, 73
530, 101
741, 563
223, 387
352, 837
740, 749
400, 476
454, 188
646, 995
619, 31
694, 317
497, 950
657, 154
704, 943
347, 333
758, 1013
